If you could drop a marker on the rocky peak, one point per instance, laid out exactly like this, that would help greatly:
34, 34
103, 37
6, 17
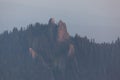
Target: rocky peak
51, 21
62, 31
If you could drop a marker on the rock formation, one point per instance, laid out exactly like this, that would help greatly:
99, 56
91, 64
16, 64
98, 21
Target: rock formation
32, 52
51, 21
62, 32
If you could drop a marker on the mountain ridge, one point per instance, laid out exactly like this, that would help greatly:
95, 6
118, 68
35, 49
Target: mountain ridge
48, 52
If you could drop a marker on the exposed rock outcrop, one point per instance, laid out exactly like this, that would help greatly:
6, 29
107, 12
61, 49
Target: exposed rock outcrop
51, 21
62, 32
32, 53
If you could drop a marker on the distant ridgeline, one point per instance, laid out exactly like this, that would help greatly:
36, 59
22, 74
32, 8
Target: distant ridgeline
48, 52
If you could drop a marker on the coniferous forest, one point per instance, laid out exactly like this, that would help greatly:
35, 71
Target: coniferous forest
48, 52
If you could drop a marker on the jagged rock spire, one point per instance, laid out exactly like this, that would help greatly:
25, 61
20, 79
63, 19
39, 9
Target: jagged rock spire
51, 21
62, 31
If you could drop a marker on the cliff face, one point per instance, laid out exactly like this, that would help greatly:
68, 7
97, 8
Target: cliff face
59, 30
62, 32
48, 52
51, 21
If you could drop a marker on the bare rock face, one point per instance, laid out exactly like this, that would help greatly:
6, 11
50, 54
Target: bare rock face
62, 32
32, 52
51, 21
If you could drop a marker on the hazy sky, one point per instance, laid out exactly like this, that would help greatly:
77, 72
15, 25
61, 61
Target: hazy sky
99, 19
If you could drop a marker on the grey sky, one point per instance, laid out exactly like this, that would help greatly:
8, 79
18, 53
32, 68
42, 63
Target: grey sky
99, 19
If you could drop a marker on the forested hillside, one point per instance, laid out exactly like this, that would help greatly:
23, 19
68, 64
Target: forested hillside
48, 52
